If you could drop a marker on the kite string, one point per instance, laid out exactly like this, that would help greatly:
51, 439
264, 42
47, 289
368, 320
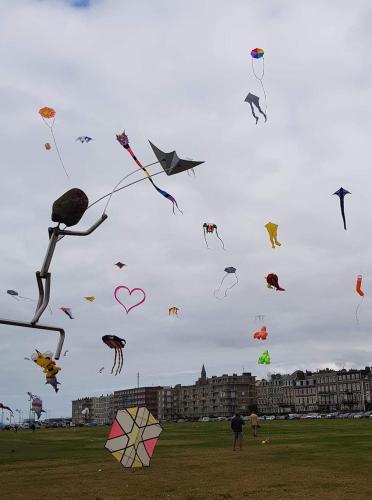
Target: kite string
126, 185
357, 309
50, 127
261, 80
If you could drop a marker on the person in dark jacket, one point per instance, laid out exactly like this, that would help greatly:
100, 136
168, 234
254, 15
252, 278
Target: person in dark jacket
237, 427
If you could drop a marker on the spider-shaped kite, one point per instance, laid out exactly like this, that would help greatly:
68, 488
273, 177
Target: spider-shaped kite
208, 228
118, 344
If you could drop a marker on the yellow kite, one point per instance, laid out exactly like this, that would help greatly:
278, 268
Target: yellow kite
272, 229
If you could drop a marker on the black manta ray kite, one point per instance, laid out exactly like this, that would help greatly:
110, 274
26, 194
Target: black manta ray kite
341, 194
254, 100
171, 162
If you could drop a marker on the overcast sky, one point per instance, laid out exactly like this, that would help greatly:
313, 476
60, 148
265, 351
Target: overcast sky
177, 73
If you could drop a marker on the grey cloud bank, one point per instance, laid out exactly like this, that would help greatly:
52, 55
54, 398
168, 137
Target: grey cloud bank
177, 73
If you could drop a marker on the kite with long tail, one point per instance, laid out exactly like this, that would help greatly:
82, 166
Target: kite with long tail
341, 193
124, 141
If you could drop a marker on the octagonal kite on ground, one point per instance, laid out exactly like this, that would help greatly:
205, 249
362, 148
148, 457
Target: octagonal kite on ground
133, 436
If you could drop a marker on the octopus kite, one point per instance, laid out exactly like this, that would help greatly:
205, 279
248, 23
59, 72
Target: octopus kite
118, 344
209, 228
272, 229
273, 282
228, 270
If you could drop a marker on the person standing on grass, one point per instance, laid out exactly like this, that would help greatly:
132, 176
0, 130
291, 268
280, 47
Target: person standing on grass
254, 423
237, 427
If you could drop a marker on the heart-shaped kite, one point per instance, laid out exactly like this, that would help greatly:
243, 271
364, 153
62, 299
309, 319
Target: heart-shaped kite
120, 287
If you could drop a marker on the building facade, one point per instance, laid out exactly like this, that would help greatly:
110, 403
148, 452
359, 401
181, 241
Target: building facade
100, 410
140, 396
324, 391
208, 397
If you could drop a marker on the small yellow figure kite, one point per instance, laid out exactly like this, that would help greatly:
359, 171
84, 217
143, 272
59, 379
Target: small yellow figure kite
173, 311
90, 299
272, 229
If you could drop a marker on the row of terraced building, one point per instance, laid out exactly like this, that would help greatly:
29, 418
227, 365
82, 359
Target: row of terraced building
322, 391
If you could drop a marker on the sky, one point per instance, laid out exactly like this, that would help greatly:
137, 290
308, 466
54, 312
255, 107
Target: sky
177, 73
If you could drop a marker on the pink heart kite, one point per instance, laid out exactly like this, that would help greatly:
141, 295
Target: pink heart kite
120, 287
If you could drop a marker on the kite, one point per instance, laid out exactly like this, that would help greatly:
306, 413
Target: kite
84, 138
3, 407
45, 360
90, 298
359, 291
27, 359
118, 344
65, 353
124, 141
85, 414
36, 405
47, 146
120, 265
358, 286
173, 311
264, 359
273, 282
256, 55
15, 294
120, 287
133, 437
101, 369
341, 193
254, 100
272, 229
228, 270
67, 311
49, 114
172, 164
259, 317
208, 228
261, 334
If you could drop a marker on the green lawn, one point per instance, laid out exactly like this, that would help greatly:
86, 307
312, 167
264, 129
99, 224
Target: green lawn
322, 459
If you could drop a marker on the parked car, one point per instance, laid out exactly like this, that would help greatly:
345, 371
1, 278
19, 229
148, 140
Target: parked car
293, 416
281, 417
367, 414
204, 419
270, 417
358, 415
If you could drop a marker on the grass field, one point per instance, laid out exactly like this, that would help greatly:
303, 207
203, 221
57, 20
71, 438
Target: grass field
322, 459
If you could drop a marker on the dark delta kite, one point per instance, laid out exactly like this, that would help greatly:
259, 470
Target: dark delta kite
341, 193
